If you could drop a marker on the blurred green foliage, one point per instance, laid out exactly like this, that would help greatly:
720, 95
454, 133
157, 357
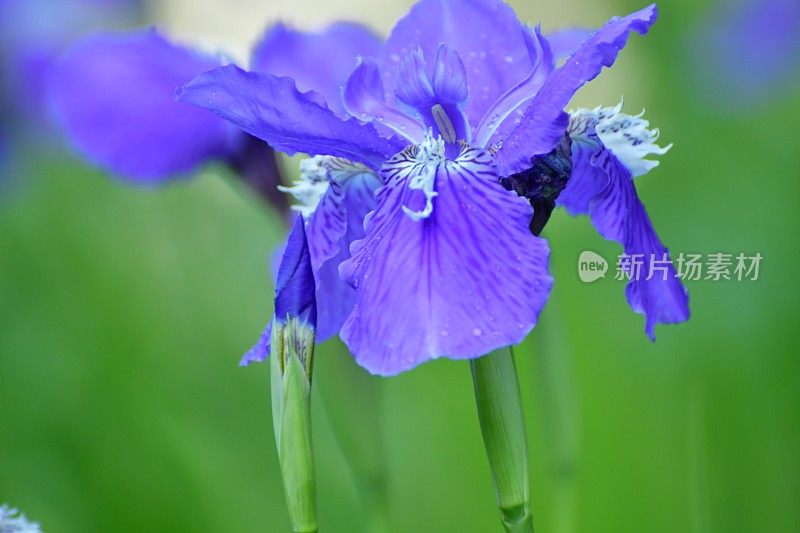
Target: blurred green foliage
124, 313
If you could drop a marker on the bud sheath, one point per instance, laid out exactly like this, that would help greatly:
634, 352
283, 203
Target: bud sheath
291, 366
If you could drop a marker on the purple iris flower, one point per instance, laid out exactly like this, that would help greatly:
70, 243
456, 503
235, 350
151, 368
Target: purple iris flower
114, 95
738, 71
458, 102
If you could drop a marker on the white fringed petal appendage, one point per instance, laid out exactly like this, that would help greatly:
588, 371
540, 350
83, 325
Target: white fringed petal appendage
629, 137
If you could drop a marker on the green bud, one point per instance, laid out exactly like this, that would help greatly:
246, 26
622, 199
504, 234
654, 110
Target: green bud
292, 354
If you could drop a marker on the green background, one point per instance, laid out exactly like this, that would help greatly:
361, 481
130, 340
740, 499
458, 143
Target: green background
123, 313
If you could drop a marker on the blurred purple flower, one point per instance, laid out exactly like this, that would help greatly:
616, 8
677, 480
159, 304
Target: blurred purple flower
3, 153
32, 35
459, 96
114, 95
748, 51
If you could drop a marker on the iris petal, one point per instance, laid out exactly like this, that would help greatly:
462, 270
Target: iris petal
449, 75
541, 125
295, 290
295, 287
364, 98
565, 42
414, 87
272, 109
296, 54
465, 280
486, 34
260, 351
602, 187
337, 221
114, 95
327, 225
513, 100
335, 297
437, 100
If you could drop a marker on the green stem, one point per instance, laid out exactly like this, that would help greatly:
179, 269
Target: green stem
500, 414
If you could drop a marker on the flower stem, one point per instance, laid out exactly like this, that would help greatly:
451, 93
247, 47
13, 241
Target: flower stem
500, 414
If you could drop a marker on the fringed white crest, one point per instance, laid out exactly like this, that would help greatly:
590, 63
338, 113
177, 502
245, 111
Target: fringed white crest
12, 521
429, 155
628, 137
316, 174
